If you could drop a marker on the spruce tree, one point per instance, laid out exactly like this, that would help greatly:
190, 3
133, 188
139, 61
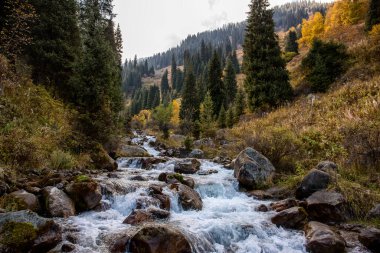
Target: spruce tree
222, 118
230, 117
56, 45
239, 105
230, 83
165, 89
119, 43
291, 44
207, 122
174, 73
267, 80
373, 16
235, 62
215, 84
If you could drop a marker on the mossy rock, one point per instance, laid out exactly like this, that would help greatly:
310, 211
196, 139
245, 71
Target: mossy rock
11, 204
18, 235
82, 178
177, 176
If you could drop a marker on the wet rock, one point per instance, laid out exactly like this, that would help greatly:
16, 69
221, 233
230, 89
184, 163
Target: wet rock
370, 238
4, 188
271, 193
262, 208
284, 204
39, 234
293, 218
188, 166
119, 245
149, 162
314, 181
67, 247
112, 175
375, 212
138, 178
20, 200
327, 206
252, 169
158, 213
207, 172
197, 153
144, 202
102, 206
164, 201
58, 204
85, 194
155, 238
189, 182
137, 217
162, 177
327, 166
133, 151
188, 198
323, 239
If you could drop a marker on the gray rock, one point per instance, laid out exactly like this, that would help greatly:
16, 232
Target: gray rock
133, 151
159, 238
20, 200
188, 198
197, 153
375, 212
293, 218
58, 204
327, 206
370, 238
315, 180
252, 169
327, 166
188, 166
86, 195
323, 239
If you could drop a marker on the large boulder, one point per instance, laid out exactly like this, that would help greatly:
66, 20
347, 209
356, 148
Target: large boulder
315, 180
284, 204
293, 218
197, 153
85, 193
20, 200
252, 169
58, 204
140, 216
375, 212
322, 238
188, 166
155, 238
327, 206
327, 166
370, 238
133, 151
25, 231
188, 198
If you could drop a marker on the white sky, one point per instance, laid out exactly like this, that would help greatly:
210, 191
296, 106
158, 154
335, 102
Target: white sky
153, 26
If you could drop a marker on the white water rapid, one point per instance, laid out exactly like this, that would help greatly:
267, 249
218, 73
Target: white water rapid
228, 221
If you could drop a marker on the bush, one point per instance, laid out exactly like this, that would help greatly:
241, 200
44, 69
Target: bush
288, 56
324, 63
61, 160
188, 143
18, 235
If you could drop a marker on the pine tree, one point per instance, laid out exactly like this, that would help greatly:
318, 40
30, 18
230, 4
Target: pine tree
239, 105
215, 84
207, 122
174, 73
235, 62
222, 118
165, 89
267, 80
291, 44
230, 83
189, 111
230, 117
119, 43
56, 45
373, 16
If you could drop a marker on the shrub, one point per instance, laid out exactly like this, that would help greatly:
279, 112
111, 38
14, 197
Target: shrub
288, 56
61, 160
19, 235
324, 63
188, 143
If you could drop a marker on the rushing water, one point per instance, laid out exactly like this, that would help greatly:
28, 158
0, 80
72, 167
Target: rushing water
228, 221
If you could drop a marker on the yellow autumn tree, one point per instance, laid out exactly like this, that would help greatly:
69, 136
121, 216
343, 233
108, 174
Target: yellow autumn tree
175, 116
311, 29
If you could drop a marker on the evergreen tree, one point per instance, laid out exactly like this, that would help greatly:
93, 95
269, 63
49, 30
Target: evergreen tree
235, 62
215, 84
189, 111
135, 62
174, 73
373, 16
267, 80
56, 45
119, 43
165, 89
179, 80
222, 118
291, 44
230, 83
207, 122
146, 68
151, 71
230, 117
239, 105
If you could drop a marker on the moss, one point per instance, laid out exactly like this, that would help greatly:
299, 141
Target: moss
18, 234
82, 178
12, 204
177, 176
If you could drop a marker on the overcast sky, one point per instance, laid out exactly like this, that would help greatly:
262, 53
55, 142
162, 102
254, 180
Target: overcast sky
153, 26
